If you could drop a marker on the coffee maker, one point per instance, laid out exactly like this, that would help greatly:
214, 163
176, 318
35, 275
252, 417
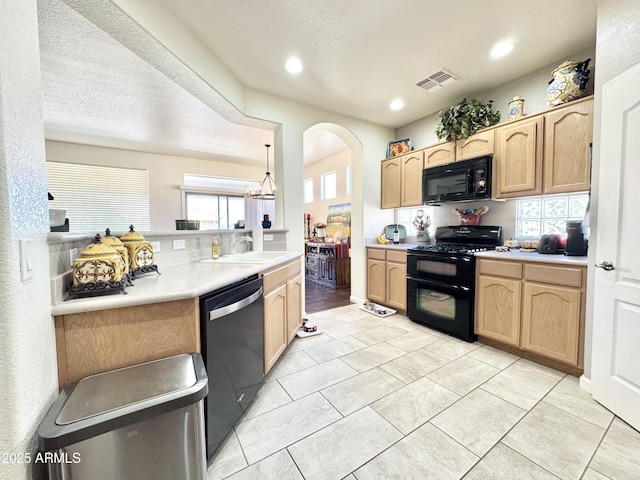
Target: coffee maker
576, 244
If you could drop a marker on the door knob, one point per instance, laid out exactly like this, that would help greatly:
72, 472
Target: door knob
606, 265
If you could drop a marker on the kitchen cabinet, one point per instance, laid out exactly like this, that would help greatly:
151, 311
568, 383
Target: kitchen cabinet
401, 180
477, 145
567, 154
538, 308
282, 310
440, 154
387, 277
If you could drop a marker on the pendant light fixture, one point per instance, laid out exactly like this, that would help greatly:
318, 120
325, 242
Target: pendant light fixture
267, 188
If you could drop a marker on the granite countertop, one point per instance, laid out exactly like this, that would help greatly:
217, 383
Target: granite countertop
534, 257
176, 282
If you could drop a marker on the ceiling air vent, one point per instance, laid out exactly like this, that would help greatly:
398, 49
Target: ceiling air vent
437, 80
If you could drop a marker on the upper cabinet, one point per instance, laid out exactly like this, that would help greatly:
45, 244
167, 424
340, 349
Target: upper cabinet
402, 180
567, 154
477, 145
439, 154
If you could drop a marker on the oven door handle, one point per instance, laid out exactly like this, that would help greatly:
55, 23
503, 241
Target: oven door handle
439, 285
469, 180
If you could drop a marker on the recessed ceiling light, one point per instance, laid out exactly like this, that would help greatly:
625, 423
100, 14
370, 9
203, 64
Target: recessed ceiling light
293, 65
501, 49
396, 104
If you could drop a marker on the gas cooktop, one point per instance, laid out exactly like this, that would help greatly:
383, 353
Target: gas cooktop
466, 239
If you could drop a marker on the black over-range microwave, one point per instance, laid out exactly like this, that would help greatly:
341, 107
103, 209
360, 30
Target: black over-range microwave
457, 182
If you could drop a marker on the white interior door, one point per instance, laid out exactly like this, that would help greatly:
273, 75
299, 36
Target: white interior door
615, 380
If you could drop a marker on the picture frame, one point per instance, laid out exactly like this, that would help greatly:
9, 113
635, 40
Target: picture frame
398, 147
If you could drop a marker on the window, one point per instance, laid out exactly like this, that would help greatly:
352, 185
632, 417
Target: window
217, 212
348, 180
328, 185
308, 190
405, 216
548, 214
97, 197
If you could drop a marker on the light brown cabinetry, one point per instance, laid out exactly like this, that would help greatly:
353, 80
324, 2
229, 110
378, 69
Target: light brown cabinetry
402, 180
477, 145
538, 308
387, 277
282, 309
440, 154
390, 177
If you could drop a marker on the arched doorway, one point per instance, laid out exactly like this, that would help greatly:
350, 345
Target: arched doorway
332, 157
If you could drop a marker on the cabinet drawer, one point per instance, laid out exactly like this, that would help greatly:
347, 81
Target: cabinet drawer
278, 276
398, 257
500, 268
376, 254
569, 276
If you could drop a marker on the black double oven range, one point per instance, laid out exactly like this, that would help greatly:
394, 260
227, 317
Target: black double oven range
441, 278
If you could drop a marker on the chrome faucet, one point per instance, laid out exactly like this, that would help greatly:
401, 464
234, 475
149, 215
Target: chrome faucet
245, 238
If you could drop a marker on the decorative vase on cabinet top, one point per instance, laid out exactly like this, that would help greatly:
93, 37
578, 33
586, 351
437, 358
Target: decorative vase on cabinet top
568, 82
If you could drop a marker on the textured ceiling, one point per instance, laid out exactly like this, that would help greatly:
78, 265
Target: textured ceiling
358, 55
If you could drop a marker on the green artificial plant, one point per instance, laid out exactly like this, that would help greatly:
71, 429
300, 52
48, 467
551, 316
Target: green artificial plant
465, 119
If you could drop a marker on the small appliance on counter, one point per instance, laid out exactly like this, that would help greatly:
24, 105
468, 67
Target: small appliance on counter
552, 243
576, 242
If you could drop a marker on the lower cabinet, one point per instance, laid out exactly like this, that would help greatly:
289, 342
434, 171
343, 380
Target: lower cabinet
282, 310
387, 277
536, 308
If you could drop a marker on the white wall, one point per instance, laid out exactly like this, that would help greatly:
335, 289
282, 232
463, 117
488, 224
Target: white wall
28, 375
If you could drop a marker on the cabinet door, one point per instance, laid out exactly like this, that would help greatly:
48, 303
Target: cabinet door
275, 325
376, 280
498, 302
440, 154
567, 157
397, 286
411, 185
390, 183
294, 306
517, 165
551, 321
476, 145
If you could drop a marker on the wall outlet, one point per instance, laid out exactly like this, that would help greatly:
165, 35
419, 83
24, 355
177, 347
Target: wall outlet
268, 237
155, 246
73, 254
178, 244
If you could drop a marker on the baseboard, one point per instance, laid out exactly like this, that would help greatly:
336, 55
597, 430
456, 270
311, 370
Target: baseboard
585, 383
353, 299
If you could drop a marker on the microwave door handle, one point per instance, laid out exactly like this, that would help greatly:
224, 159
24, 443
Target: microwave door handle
469, 180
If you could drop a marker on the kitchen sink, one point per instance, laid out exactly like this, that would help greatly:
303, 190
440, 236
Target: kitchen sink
250, 257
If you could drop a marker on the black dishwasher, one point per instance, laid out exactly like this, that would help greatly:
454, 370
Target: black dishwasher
232, 331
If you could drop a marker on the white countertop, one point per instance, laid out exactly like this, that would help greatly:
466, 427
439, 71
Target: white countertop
534, 257
391, 246
178, 282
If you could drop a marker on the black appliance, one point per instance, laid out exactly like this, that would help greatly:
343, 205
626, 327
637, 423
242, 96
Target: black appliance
551, 243
576, 244
441, 278
457, 182
232, 342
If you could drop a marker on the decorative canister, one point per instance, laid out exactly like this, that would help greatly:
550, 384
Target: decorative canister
140, 252
118, 246
516, 108
98, 263
568, 82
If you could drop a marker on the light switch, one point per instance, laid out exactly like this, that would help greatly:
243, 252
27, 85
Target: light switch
26, 260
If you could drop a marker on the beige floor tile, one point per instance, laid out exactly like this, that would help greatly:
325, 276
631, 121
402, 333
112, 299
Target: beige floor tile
372, 356
452, 348
503, 463
270, 396
414, 404
479, 420
305, 343
414, 365
557, 441
264, 435
520, 385
279, 466
228, 459
316, 378
340, 448
347, 329
591, 474
413, 340
463, 374
539, 368
380, 334
426, 454
493, 356
356, 392
619, 455
290, 363
334, 349
568, 396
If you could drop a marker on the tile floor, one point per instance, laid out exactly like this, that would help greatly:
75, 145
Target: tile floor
376, 398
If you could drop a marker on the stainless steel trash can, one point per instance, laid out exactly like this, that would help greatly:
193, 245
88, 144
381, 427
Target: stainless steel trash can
135, 423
